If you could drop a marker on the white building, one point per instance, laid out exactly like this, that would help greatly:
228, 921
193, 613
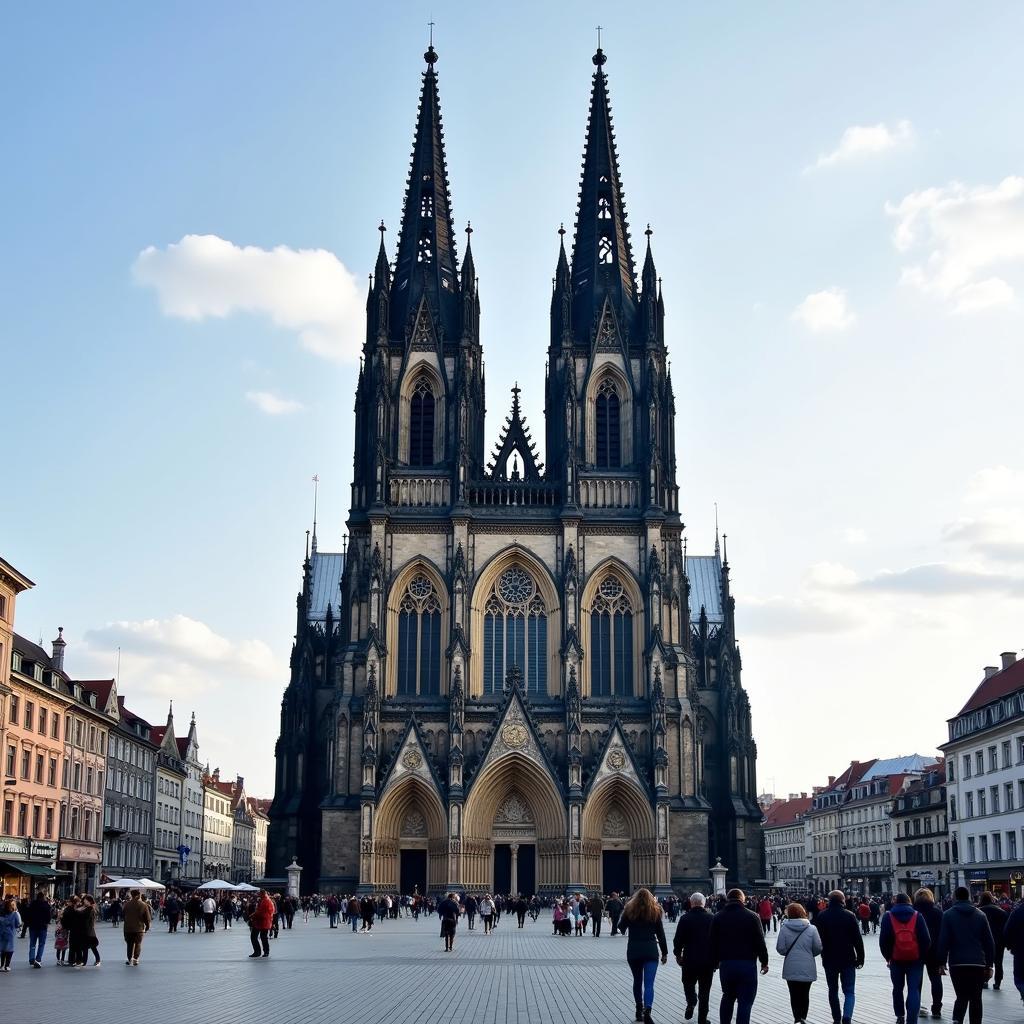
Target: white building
985, 782
192, 801
787, 842
218, 824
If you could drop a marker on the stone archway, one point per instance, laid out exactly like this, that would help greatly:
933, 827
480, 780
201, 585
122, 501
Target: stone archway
618, 819
410, 837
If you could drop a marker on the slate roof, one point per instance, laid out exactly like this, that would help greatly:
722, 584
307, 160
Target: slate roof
896, 766
705, 575
326, 568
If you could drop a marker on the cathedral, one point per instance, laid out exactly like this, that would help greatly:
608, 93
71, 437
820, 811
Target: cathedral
515, 678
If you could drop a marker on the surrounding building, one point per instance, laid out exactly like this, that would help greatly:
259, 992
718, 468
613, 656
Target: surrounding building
823, 827
217, 827
34, 705
191, 850
921, 835
515, 678
260, 811
985, 782
168, 798
128, 806
243, 834
787, 842
866, 852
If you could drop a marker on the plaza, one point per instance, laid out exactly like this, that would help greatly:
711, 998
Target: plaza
399, 974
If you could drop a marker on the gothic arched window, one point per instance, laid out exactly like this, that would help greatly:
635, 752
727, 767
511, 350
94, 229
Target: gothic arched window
608, 447
421, 424
419, 639
515, 632
611, 641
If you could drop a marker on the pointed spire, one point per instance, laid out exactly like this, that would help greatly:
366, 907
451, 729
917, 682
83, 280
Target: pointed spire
468, 276
515, 437
382, 272
602, 258
426, 263
718, 547
649, 277
562, 269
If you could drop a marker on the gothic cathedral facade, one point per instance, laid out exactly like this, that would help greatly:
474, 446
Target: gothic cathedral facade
515, 678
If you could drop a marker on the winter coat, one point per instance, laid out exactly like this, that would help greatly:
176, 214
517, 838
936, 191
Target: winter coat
39, 914
903, 912
841, 942
736, 934
10, 925
646, 938
933, 918
262, 917
799, 942
996, 921
137, 917
692, 939
614, 908
1013, 933
965, 939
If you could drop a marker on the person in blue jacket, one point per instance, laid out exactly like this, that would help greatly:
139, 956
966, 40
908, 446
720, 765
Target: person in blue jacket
904, 942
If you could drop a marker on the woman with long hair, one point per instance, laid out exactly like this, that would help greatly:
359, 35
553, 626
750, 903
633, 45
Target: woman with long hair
641, 921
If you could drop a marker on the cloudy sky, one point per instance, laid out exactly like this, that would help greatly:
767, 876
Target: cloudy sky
837, 197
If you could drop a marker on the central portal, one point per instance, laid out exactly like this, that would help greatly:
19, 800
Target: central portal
615, 871
515, 851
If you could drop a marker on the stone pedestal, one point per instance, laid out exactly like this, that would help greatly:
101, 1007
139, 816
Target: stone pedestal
294, 872
718, 876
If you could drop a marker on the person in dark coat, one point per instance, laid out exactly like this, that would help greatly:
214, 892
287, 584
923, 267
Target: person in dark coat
924, 904
902, 927
641, 921
997, 923
965, 943
596, 908
842, 954
737, 943
37, 917
691, 946
470, 906
521, 908
614, 908
448, 912
1013, 940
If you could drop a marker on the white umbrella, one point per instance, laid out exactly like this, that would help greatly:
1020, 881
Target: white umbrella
124, 883
148, 883
246, 887
219, 884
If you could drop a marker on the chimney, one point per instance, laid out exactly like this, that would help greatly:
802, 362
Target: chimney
831, 780
216, 775
1009, 657
990, 671
57, 657
240, 783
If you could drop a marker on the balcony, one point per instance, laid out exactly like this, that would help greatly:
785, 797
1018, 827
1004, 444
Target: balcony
513, 494
420, 491
609, 492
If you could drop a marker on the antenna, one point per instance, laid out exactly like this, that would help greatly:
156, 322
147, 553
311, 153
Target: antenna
718, 550
117, 673
316, 490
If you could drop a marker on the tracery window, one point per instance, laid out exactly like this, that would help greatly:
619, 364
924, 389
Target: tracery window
515, 632
419, 639
611, 641
421, 424
608, 446
604, 249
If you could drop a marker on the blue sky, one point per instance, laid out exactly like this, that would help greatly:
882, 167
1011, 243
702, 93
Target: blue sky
838, 217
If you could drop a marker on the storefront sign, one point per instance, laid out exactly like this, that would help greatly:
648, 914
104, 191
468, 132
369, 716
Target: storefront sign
42, 851
80, 854
977, 876
17, 847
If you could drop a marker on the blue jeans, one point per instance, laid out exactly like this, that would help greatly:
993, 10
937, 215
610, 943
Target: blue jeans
909, 975
847, 977
36, 943
739, 988
354, 918
1018, 973
643, 981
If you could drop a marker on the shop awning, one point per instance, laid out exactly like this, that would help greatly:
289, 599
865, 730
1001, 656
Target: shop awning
23, 867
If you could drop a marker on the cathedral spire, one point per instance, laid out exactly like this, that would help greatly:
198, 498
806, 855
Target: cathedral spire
426, 265
602, 259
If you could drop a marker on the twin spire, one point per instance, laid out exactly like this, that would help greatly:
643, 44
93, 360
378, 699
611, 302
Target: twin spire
426, 264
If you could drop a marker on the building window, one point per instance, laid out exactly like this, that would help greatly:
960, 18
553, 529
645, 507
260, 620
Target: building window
1006, 753
995, 799
22, 819
36, 820
979, 763
1011, 845
26, 762
608, 439
421, 424
982, 803
419, 639
969, 797
55, 726
984, 847
997, 846
39, 768
1008, 791
30, 715
967, 766
515, 633
611, 641
13, 716
8, 816
993, 763
77, 776
12, 756
49, 822
971, 859
42, 721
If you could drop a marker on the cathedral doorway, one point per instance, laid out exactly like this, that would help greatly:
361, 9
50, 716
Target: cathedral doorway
515, 868
615, 871
412, 871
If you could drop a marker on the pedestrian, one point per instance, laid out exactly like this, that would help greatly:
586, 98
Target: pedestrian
864, 913
924, 904
997, 922
691, 946
799, 943
521, 908
209, 913
38, 916
966, 944
448, 912
333, 906
641, 922
60, 944
904, 942
487, 913
1013, 939
137, 920
765, 911
614, 908
737, 944
90, 915
260, 921
227, 911
842, 954
354, 915
470, 906
172, 912
596, 908
73, 921
10, 924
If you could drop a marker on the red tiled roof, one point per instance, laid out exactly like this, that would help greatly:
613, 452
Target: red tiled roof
257, 806
157, 734
101, 687
182, 746
999, 685
222, 787
785, 812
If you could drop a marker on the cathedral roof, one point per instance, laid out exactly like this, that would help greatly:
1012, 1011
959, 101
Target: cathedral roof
326, 569
705, 575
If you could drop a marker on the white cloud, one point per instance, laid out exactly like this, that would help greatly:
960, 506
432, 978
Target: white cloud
271, 404
308, 291
855, 535
863, 140
966, 239
825, 311
994, 525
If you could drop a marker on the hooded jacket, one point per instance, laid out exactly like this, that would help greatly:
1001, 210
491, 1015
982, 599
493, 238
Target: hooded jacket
903, 912
965, 939
841, 942
799, 942
933, 918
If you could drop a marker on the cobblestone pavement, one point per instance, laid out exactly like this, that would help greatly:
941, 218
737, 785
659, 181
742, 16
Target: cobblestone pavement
398, 974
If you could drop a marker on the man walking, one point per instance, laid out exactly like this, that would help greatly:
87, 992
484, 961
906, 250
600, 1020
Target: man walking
1013, 939
37, 918
737, 943
137, 920
692, 948
965, 942
904, 942
209, 912
997, 923
614, 908
842, 954
924, 904
260, 920
596, 909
